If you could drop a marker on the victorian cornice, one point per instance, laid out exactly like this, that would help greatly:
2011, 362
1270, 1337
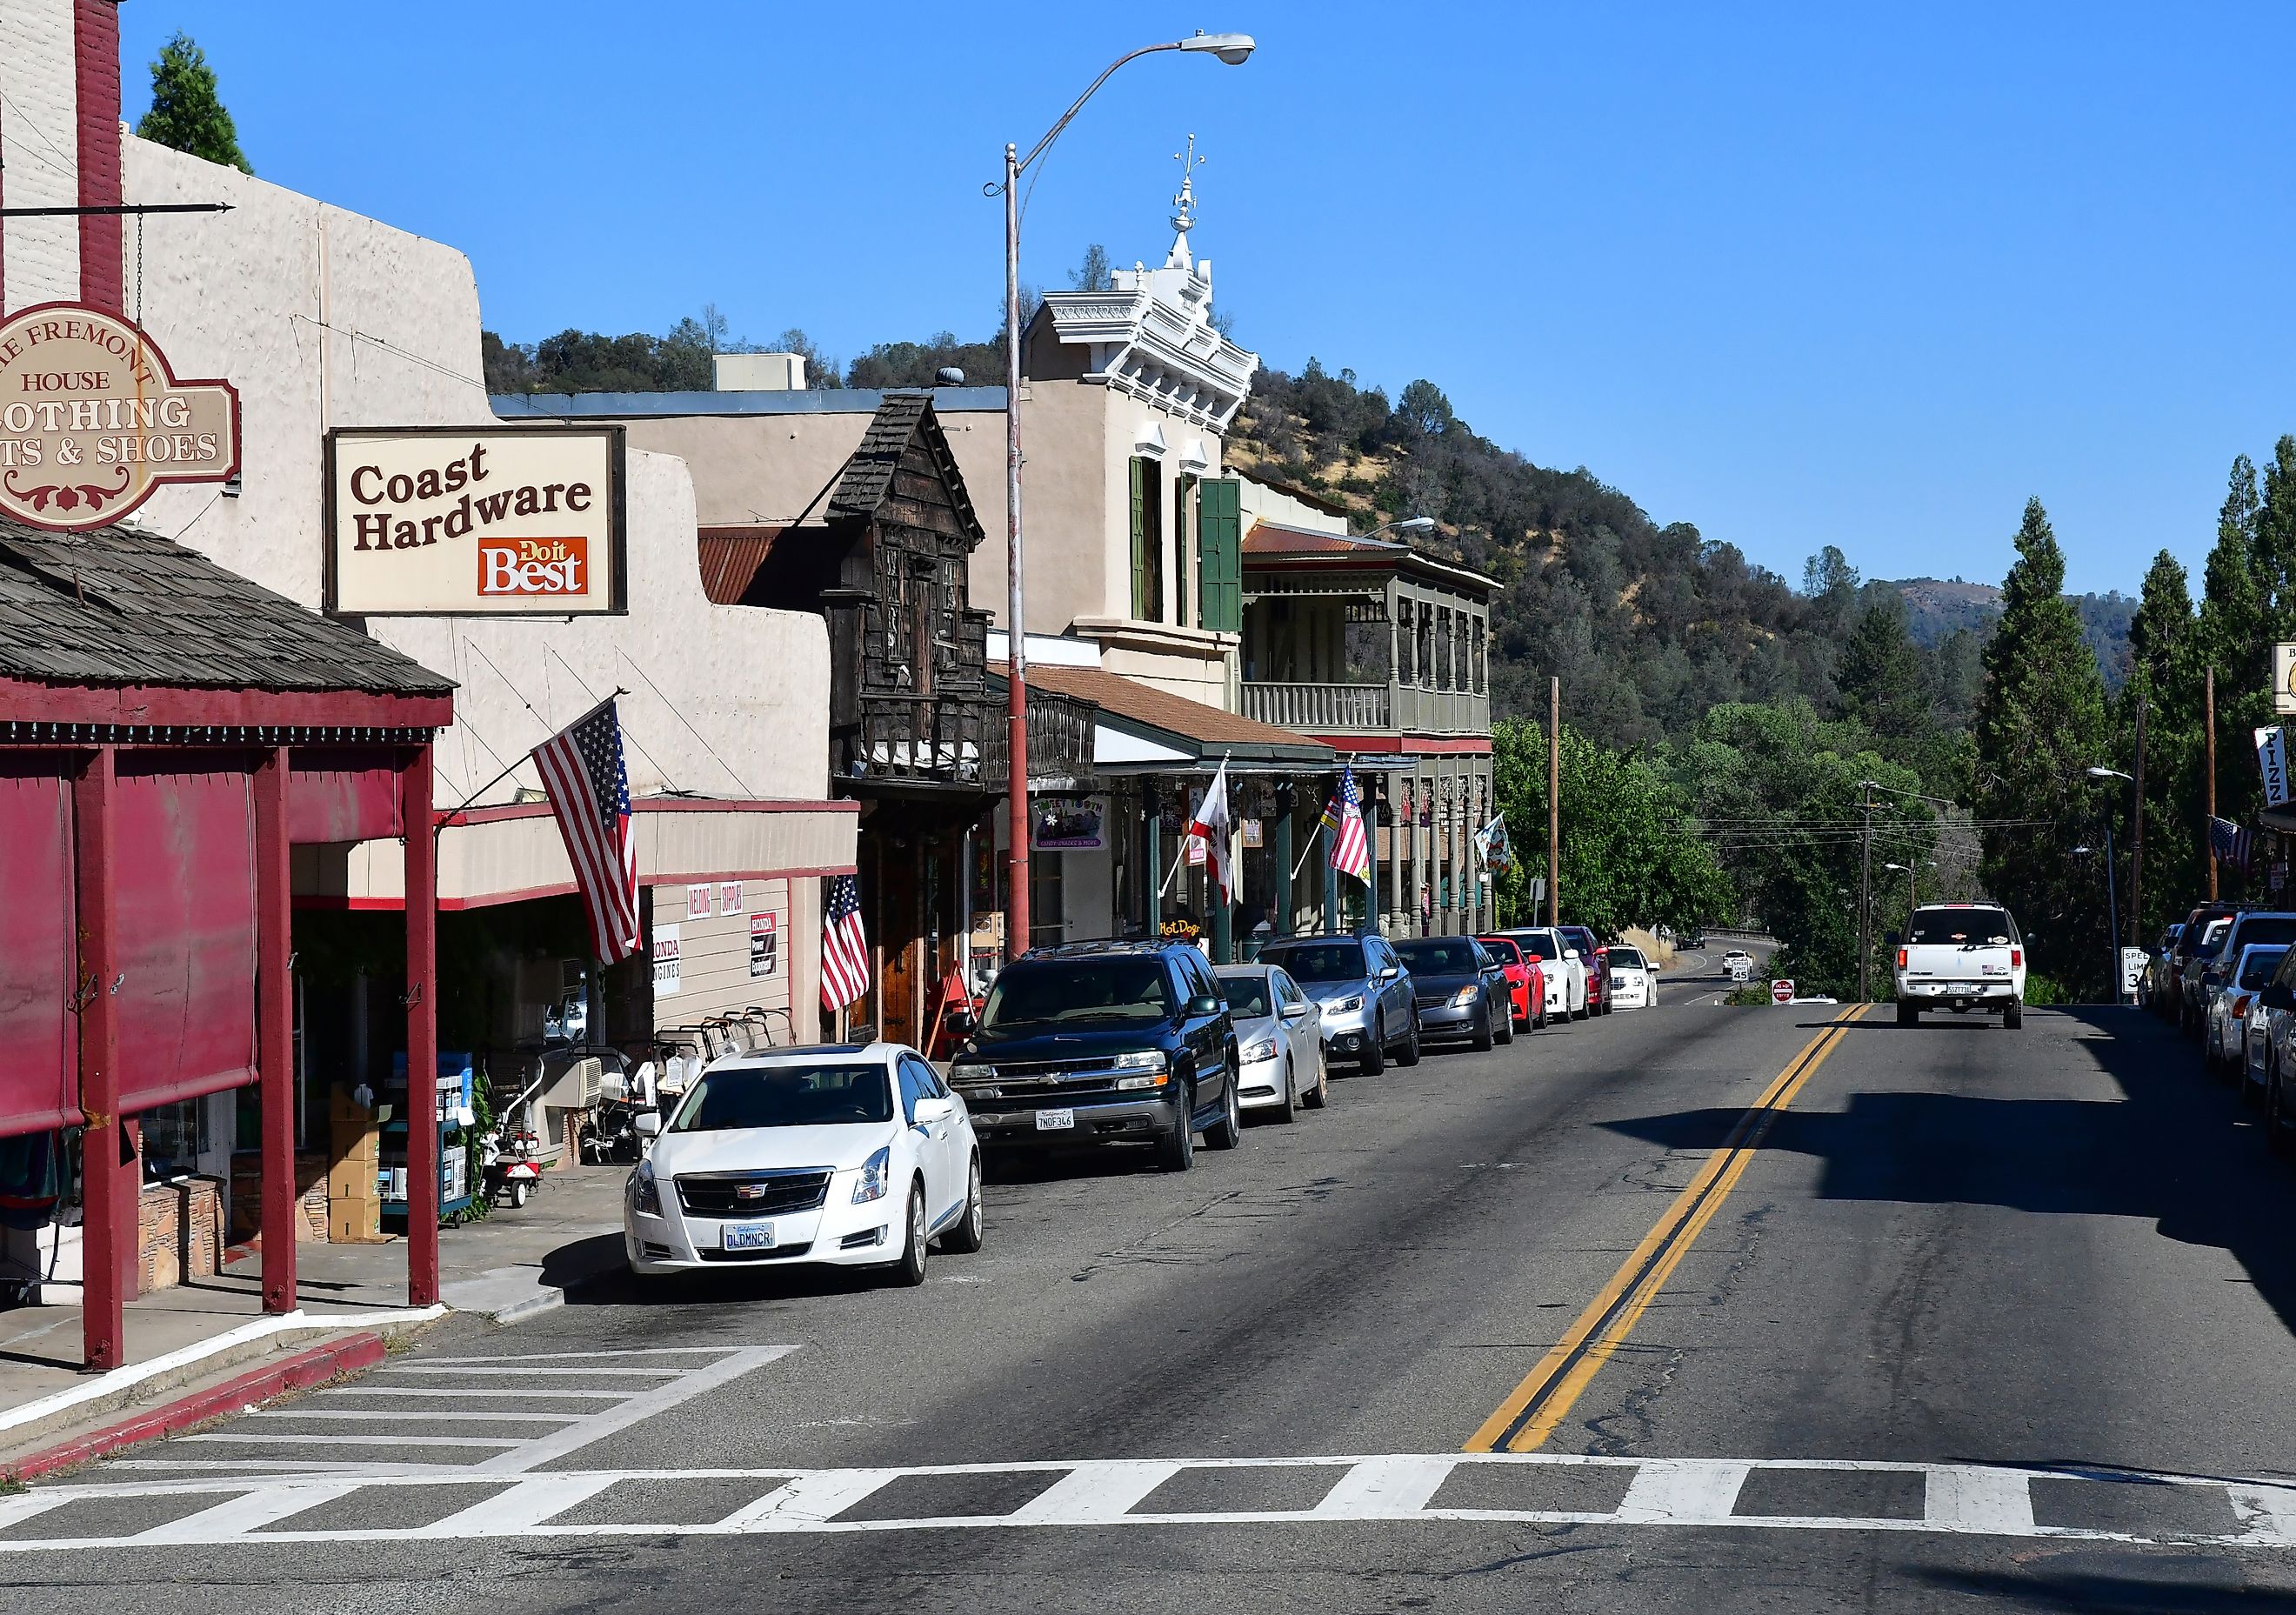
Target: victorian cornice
1152, 349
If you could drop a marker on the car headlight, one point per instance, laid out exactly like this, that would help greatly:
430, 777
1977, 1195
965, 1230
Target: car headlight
972, 1073
874, 1171
1265, 1049
1141, 1059
1340, 1007
644, 1195
1124, 1085
1463, 997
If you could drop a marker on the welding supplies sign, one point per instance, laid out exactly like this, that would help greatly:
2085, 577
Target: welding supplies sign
92, 422
475, 522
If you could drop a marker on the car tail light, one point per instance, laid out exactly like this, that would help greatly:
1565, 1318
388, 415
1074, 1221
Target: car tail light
2016, 958
1901, 958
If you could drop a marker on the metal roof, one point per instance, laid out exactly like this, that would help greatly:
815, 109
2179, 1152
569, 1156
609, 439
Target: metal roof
829, 401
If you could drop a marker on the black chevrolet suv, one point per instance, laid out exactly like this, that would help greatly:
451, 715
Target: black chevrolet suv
1103, 1043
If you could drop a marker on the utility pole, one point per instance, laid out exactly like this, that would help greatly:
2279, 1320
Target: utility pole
2208, 775
2137, 841
1865, 899
1555, 801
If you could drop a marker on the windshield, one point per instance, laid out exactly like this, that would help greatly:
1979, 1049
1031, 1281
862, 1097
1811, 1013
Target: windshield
2267, 928
1959, 927
1078, 992
1247, 996
1439, 956
1504, 950
1580, 938
1322, 961
1542, 945
2212, 940
1627, 958
2258, 964
785, 1096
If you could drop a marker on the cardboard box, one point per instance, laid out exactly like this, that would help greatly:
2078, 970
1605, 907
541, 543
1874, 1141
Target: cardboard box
355, 1222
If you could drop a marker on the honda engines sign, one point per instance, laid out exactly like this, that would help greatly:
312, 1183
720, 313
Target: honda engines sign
92, 421
492, 520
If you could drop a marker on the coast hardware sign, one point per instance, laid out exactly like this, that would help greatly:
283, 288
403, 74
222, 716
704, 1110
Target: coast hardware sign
92, 420
475, 520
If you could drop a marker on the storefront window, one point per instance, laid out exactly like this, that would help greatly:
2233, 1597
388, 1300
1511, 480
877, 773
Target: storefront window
174, 1134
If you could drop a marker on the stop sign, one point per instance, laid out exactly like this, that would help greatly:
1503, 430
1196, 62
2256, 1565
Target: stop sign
1781, 992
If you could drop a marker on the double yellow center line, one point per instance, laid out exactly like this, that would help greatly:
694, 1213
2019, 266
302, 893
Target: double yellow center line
1534, 1409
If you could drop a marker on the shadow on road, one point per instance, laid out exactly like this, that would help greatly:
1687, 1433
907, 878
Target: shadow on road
2181, 1584
2176, 1148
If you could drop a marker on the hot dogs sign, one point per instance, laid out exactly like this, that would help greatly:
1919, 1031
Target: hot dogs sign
92, 420
480, 521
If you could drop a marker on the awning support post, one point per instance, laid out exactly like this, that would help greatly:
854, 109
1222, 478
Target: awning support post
419, 823
108, 1191
274, 1004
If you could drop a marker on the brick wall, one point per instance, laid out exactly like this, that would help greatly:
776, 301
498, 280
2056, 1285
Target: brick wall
179, 1233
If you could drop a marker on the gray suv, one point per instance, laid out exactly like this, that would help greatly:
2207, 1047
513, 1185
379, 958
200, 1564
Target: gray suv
1365, 992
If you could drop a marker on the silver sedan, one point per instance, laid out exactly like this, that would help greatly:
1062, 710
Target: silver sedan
1279, 1036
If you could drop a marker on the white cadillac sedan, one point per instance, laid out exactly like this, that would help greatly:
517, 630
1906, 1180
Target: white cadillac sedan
854, 1156
1634, 978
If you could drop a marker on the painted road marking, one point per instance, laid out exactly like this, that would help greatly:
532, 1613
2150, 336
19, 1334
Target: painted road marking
1534, 1409
1971, 1500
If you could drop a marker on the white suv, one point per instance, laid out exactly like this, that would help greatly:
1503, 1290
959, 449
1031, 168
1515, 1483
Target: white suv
1962, 957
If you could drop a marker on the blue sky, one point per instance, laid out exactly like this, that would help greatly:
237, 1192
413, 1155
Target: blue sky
1796, 275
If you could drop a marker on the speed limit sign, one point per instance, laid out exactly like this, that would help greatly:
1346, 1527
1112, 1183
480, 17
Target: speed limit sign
1781, 992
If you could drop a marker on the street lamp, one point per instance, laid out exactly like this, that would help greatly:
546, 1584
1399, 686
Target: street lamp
1232, 49
2111, 900
1408, 524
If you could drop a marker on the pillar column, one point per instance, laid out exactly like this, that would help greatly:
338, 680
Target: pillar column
108, 1192
1331, 880
1152, 844
1287, 803
275, 1008
421, 1030
1371, 845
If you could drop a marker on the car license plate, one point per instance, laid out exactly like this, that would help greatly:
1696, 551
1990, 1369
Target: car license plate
1056, 1122
749, 1236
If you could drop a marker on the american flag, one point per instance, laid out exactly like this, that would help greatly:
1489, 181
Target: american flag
844, 947
1343, 816
2230, 842
589, 790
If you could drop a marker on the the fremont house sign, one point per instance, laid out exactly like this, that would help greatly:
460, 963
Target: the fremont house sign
92, 420
475, 520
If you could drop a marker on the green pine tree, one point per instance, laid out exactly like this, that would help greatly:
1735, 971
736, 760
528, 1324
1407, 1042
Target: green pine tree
2165, 675
187, 114
2040, 725
1881, 675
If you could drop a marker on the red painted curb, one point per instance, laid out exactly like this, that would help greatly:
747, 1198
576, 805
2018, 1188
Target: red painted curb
304, 1368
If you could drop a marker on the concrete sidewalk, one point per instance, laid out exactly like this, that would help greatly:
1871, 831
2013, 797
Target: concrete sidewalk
512, 1264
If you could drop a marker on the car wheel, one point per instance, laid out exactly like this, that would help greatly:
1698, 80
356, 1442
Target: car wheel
2014, 1017
1375, 1054
1227, 1132
1484, 1036
910, 1268
1409, 1056
2276, 1137
1505, 1028
1289, 1109
964, 1238
1315, 1097
1178, 1153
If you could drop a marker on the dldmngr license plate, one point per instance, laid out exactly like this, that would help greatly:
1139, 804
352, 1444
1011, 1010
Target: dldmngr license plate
1056, 1122
749, 1236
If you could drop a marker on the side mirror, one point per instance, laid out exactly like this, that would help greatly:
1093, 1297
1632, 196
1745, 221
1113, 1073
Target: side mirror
1206, 1004
1294, 1011
648, 1124
1570, 953
1389, 972
959, 1021
936, 1109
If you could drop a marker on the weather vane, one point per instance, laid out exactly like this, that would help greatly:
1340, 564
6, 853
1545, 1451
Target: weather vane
1184, 219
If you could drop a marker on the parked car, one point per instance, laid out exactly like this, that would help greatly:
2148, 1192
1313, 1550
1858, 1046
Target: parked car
1365, 994
2189, 937
1564, 972
2154, 991
2247, 928
2192, 974
1962, 957
1455, 999
1104, 1043
2224, 1047
841, 1153
2271, 1062
1279, 1034
1634, 978
1596, 956
1526, 978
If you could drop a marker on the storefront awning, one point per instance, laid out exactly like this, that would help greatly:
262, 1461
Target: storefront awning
1140, 729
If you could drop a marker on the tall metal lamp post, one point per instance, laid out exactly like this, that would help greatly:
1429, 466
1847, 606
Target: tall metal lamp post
1232, 49
2111, 900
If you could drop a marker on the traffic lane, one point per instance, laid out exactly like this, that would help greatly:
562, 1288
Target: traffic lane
2060, 1245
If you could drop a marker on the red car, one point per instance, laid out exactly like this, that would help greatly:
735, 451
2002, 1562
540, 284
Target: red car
1526, 979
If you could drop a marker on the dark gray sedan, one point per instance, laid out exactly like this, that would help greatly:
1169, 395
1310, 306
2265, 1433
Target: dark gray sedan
1450, 980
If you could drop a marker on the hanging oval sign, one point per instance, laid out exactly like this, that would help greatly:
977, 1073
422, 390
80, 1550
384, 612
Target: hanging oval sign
92, 420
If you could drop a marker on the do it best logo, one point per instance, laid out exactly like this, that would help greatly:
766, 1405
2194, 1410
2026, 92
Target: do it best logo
533, 566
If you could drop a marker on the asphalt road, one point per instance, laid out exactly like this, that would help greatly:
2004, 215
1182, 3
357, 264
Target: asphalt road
1744, 1309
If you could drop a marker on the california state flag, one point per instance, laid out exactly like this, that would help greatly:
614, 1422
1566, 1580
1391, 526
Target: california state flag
1210, 826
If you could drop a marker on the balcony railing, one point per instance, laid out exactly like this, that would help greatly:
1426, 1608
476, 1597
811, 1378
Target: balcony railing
941, 740
1060, 739
1317, 708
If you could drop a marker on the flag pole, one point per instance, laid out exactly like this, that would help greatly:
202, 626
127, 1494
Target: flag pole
464, 806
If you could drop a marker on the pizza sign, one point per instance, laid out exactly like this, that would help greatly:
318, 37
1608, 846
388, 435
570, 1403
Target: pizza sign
92, 420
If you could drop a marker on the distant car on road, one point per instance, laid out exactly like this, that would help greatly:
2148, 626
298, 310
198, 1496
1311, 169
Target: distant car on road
1365, 994
1104, 1043
1280, 1032
1634, 978
2224, 1048
1526, 977
848, 1155
1962, 957
1738, 964
1454, 1000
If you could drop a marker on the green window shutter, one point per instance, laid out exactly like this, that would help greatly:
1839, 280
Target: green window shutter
1220, 539
1139, 540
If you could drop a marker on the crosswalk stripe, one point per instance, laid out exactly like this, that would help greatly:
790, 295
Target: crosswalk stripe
250, 1511
1672, 1491
1991, 1502
807, 1500
520, 1505
1095, 1492
1383, 1487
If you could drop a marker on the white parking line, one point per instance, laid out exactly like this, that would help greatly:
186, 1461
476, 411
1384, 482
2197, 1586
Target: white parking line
1961, 1499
